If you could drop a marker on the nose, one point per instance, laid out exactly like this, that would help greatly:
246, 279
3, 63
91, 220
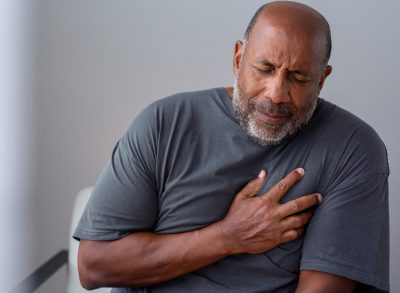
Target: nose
277, 88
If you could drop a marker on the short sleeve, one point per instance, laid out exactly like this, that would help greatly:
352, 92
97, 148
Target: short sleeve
349, 232
124, 199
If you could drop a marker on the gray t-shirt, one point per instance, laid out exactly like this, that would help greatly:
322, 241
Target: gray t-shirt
183, 159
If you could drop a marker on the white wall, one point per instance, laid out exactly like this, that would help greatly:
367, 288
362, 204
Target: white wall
17, 141
98, 63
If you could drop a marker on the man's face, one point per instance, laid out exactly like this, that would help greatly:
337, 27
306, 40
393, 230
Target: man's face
279, 75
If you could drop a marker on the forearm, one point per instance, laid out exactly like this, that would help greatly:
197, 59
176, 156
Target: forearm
320, 282
142, 259
252, 225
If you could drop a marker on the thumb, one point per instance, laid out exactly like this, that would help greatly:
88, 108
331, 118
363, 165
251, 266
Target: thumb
251, 188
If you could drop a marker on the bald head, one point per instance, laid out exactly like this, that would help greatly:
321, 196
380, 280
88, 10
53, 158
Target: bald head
294, 16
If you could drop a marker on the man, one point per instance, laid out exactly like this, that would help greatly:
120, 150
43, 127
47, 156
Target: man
170, 213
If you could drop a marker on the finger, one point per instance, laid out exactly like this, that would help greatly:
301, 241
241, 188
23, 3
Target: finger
296, 221
291, 235
253, 186
279, 189
300, 204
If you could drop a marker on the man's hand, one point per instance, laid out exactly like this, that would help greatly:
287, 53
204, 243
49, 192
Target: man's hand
256, 224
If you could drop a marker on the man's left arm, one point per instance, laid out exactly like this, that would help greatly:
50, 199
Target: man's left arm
346, 244
320, 282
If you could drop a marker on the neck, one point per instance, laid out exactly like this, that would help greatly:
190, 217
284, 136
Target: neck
229, 91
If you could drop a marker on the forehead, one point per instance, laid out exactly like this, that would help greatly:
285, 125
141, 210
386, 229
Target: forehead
286, 43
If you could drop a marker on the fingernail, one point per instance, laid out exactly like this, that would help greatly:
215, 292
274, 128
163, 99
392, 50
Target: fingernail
319, 197
300, 171
262, 174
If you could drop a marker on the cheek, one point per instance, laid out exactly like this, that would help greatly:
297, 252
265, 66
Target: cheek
302, 98
249, 78
251, 86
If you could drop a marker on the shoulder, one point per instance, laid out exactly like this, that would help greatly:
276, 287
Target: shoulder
357, 148
180, 108
184, 100
174, 110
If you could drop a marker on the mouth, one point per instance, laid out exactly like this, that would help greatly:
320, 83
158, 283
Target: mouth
272, 118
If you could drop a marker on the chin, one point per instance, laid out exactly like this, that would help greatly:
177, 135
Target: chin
268, 134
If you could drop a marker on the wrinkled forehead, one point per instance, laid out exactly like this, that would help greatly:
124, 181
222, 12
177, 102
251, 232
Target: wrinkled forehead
292, 16
301, 43
295, 30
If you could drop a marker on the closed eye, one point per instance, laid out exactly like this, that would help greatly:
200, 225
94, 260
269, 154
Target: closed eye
264, 70
299, 78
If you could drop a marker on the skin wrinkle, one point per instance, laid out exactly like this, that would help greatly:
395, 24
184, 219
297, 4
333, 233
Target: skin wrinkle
305, 15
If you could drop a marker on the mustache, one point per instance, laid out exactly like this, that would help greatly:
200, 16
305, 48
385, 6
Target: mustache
269, 106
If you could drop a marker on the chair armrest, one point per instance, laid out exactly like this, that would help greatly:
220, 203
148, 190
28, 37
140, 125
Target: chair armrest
42, 274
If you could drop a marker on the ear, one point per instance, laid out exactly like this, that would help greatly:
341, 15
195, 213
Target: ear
237, 56
325, 74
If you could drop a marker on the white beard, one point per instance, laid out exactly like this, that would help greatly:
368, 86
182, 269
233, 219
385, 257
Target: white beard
269, 134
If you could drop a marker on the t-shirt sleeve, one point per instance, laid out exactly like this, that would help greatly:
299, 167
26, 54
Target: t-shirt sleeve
349, 232
124, 199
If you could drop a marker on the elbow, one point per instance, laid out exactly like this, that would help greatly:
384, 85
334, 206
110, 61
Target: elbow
89, 277
87, 282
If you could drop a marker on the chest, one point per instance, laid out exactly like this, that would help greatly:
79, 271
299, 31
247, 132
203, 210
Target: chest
202, 177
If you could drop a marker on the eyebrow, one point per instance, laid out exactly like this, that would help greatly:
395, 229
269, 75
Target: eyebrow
265, 62
301, 72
